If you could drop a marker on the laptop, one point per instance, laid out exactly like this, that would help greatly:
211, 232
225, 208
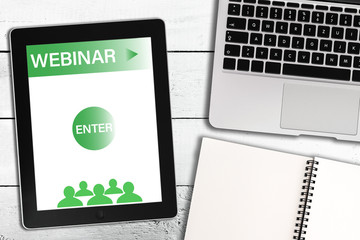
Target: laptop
287, 67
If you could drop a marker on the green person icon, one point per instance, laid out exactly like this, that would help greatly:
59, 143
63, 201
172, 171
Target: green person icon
129, 196
83, 190
69, 200
113, 189
99, 197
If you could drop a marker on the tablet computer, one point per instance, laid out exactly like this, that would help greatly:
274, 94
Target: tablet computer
93, 123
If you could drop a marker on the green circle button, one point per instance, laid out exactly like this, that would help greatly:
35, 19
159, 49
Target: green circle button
93, 128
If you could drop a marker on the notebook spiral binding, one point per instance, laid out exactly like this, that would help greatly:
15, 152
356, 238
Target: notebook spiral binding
305, 200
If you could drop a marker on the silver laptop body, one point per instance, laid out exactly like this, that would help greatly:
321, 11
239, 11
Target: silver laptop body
312, 88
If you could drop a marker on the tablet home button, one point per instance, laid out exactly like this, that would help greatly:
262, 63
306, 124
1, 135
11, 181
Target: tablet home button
100, 214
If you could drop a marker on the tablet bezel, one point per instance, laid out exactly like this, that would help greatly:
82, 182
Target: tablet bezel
20, 38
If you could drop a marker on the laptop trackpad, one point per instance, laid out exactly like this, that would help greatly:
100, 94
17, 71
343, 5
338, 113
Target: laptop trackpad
320, 109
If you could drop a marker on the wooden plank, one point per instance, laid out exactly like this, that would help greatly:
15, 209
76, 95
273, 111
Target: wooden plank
190, 81
190, 24
6, 102
188, 135
10, 223
8, 159
189, 75
187, 138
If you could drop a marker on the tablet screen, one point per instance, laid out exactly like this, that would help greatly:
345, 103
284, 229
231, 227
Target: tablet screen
93, 121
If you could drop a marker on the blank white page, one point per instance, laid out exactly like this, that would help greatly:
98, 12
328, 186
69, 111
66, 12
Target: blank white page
243, 192
335, 207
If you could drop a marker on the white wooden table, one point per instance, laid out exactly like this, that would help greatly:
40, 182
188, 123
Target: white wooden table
190, 26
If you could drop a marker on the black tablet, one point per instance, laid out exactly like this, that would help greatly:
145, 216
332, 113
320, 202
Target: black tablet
93, 123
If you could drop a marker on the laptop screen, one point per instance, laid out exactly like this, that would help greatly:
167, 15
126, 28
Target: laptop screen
93, 123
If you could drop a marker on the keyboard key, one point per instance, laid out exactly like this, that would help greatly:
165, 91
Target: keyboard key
351, 34
312, 44
356, 62
271, 67
339, 46
304, 16
337, 33
290, 14
317, 17
234, 9
256, 38
281, 27
292, 4
277, 3
317, 58
357, 21
345, 61
236, 23
270, 40
336, 9
289, 55
345, 20
331, 59
303, 57
247, 11
323, 31
275, 13
284, 41
350, 10
316, 72
254, 24
295, 28
325, 45
238, 37
249, 1
332, 18
353, 48
247, 52
229, 63
261, 53
265, 2
257, 66
232, 50
307, 6
309, 30
356, 76
297, 43
321, 7
267, 26
275, 54
243, 65
262, 12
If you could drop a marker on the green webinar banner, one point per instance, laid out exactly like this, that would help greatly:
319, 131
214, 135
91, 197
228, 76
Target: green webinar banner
88, 57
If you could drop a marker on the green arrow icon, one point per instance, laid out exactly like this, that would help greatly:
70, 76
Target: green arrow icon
130, 54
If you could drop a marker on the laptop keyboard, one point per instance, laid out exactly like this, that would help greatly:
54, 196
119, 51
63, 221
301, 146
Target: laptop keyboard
293, 39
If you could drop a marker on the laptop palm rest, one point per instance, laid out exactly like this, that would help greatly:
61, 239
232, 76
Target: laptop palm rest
320, 109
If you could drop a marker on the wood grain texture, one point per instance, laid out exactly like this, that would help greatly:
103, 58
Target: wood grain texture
6, 102
190, 81
170, 229
190, 25
187, 135
8, 160
189, 77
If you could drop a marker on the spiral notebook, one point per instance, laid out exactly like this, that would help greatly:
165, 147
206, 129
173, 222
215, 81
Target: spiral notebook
250, 193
